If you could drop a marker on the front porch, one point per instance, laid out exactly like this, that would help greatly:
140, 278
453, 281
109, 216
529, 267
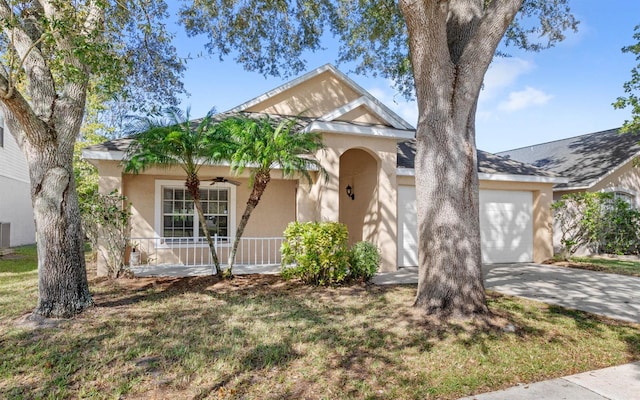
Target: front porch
171, 256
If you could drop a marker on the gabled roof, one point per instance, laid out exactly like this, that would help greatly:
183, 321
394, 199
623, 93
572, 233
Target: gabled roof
489, 166
584, 159
363, 99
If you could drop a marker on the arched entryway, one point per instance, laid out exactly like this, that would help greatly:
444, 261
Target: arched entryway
359, 194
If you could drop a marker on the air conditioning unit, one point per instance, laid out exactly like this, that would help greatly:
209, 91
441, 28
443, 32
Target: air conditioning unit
5, 229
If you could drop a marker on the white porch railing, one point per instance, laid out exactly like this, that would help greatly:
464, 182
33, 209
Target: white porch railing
252, 251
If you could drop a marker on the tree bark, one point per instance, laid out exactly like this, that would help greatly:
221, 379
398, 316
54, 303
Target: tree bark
62, 278
260, 182
451, 45
45, 129
62, 283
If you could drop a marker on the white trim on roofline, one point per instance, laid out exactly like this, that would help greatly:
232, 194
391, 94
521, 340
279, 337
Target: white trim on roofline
359, 130
368, 103
386, 112
522, 178
403, 171
112, 155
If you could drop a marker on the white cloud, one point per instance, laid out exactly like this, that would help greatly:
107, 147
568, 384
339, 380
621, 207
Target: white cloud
502, 73
524, 98
408, 110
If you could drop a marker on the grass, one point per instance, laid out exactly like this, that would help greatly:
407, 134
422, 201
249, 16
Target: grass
258, 337
610, 265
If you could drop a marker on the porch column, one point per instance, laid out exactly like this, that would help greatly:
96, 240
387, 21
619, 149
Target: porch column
328, 193
387, 230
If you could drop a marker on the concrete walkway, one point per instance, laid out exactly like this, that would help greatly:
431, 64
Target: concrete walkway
615, 383
611, 295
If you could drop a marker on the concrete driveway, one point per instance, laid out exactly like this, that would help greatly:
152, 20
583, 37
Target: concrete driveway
611, 295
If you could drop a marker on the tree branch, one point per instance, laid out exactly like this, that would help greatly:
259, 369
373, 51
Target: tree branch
427, 28
482, 46
41, 84
22, 121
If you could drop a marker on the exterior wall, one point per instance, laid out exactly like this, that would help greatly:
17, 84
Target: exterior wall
625, 178
543, 218
15, 195
328, 194
276, 209
270, 218
359, 170
361, 115
15, 208
312, 98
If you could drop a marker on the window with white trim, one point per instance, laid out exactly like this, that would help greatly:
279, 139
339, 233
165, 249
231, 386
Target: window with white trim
623, 194
626, 197
180, 218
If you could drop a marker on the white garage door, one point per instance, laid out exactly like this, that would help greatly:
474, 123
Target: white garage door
407, 227
506, 226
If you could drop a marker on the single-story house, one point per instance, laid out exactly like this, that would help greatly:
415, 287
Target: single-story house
596, 162
17, 226
370, 187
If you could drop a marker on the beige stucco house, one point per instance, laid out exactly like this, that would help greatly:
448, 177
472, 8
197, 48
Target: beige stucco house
370, 187
596, 162
16, 213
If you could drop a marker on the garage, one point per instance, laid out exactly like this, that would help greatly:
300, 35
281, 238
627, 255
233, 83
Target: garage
506, 226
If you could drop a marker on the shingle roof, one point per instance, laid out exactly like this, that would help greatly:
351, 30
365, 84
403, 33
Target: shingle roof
488, 163
583, 159
122, 144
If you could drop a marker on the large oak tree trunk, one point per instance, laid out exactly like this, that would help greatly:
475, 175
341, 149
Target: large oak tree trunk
450, 280
45, 131
62, 283
451, 45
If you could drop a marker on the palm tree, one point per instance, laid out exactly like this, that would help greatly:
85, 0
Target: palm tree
177, 141
263, 144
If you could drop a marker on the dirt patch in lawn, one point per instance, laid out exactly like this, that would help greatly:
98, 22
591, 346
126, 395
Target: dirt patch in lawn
609, 265
574, 264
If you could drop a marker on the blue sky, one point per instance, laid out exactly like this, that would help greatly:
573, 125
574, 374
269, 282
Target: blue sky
528, 98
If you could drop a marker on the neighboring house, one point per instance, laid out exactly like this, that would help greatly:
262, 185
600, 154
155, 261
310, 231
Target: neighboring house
597, 162
15, 192
370, 187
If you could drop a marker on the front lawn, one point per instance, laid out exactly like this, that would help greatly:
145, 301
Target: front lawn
258, 337
610, 265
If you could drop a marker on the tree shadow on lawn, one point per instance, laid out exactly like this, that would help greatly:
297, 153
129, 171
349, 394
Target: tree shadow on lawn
596, 324
253, 334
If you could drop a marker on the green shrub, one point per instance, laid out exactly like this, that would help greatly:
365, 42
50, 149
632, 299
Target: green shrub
364, 260
598, 221
620, 230
316, 252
